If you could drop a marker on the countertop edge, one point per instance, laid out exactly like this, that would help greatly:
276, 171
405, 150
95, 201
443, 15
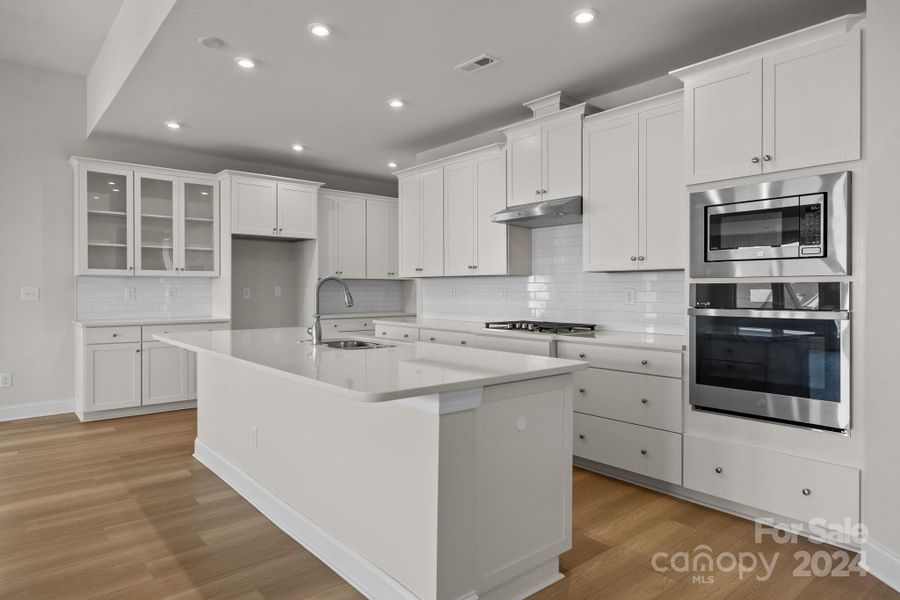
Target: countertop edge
146, 322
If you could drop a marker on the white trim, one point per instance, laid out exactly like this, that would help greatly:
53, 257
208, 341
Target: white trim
354, 568
133, 411
880, 562
43, 409
452, 402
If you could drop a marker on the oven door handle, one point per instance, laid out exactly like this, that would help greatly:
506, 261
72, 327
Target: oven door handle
836, 315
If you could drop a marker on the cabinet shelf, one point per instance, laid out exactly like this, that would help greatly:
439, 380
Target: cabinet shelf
157, 246
200, 219
114, 213
150, 216
199, 249
107, 245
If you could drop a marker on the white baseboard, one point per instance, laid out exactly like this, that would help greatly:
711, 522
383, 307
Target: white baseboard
355, 569
881, 562
44, 409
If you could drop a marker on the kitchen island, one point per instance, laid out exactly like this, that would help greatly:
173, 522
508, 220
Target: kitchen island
413, 470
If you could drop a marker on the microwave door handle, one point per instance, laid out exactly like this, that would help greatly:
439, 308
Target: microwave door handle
836, 315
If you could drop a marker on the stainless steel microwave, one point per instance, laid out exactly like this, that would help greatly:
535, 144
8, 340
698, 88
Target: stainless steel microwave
780, 228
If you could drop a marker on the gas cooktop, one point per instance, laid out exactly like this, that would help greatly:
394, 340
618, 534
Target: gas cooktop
542, 327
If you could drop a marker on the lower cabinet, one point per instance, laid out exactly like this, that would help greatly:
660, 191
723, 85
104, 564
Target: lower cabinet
397, 332
165, 374
112, 376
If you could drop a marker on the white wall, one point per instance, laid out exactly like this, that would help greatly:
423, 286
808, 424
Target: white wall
881, 483
42, 123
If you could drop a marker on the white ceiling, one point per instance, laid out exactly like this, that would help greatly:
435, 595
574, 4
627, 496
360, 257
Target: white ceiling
331, 94
63, 35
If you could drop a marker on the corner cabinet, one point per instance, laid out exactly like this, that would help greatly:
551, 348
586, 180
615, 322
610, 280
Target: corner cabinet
272, 207
133, 220
634, 196
789, 103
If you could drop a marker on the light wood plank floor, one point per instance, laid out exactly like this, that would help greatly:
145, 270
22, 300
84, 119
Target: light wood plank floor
120, 509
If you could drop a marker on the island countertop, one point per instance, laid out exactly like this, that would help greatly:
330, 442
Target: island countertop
402, 370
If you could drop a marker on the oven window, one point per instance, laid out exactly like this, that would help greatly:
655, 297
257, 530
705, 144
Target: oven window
789, 357
773, 227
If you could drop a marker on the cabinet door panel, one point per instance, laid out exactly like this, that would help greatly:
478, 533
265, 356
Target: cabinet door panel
112, 376
155, 233
254, 207
410, 222
198, 209
811, 104
432, 223
524, 166
561, 164
459, 218
394, 239
327, 234
296, 211
381, 234
724, 123
165, 370
611, 195
105, 222
351, 237
663, 193
490, 194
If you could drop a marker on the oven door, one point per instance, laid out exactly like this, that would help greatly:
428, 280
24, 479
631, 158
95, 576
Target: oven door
759, 230
787, 366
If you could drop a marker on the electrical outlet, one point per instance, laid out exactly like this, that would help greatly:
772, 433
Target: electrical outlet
171, 292
629, 295
130, 293
31, 294
254, 438
278, 291
453, 293
246, 293
503, 295
5, 380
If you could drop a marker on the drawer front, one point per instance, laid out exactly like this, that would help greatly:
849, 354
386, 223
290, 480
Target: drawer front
109, 335
642, 450
648, 362
517, 346
646, 400
348, 325
794, 487
451, 338
150, 330
393, 332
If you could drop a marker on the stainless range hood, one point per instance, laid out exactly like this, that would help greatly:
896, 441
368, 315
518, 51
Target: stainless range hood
548, 213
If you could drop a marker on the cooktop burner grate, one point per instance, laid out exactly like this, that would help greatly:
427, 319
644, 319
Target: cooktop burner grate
542, 327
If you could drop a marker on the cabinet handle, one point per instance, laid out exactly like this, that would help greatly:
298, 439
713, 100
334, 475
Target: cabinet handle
580, 436
543, 191
335, 325
582, 355
463, 342
406, 335
384, 333
581, 390
806, 491
431, 339
719, 470
274, 230
475, 267
767, 157
115, 335
131, 268
644, 362
754, 160
138, 351
644, 401
643, 452
537, 192
640, 258
633, 258
280, 230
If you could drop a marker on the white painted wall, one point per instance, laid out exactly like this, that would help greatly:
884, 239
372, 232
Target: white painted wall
43, 123
881, 480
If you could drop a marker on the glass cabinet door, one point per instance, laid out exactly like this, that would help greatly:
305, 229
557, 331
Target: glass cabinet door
200, 226
106, 222
154, 227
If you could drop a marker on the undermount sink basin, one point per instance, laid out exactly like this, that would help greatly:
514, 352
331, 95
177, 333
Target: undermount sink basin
354, 345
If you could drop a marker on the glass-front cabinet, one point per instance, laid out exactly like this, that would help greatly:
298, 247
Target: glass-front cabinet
134, 222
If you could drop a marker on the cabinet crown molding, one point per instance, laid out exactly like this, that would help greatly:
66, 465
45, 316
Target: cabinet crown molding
230, 173
76, 161
440, 162
565, 113
814, 33
637, 106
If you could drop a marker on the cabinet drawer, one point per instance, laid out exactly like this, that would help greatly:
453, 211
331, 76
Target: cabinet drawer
649, 362
109, 335
451, 338
396, 332
790, 486
640, 399
150, 330
642, 450
359, 324
517, 346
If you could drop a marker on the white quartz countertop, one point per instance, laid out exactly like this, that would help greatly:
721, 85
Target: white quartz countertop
368, 315
627, 339
373, 375
139, 322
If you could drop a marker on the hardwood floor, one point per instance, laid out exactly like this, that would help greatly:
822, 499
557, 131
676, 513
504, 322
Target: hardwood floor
120, 509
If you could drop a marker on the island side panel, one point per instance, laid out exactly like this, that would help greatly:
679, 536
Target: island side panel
366, 472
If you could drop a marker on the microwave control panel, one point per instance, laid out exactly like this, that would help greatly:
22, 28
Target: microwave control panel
811, 231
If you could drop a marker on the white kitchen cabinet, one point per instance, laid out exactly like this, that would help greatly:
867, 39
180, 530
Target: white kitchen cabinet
104, 210
459, 218
544, 157
164, 370
265, 206
382, 238
422, 223
198, 239
156, 224
112, 376
634, 197
342, 236
785, 104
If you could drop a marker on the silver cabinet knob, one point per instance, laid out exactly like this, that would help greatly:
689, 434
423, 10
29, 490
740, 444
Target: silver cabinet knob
384, 333
806, 491
537, 192
274, 230
406, 336
643, 452
431, 339
138, 351
719, 470
581, 436
581, 390
115, 335
581, 355
543, 191
644, 362
335, 325
463, 342
644, 401
634, 258
754, 160
280, 230
767, 157
640, 258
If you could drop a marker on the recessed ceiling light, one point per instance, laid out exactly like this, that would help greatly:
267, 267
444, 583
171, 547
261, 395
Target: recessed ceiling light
297, 147
395, 103
173, 124
392, 165
244, 62
319, 29
211, 42
583, 16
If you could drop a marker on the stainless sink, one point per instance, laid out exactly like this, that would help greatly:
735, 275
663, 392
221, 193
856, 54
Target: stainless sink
354, 345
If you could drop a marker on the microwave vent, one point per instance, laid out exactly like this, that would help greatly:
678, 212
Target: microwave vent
476, 64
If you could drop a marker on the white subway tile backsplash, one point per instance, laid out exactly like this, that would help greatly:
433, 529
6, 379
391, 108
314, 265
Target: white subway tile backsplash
106, 298
369, 295
558, 289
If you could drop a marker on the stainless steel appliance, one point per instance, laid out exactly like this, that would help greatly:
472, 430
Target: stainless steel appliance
780, 228
542, 327
777, 351
546, 213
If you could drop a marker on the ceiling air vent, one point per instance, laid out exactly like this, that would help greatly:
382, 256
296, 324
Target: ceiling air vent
476, 64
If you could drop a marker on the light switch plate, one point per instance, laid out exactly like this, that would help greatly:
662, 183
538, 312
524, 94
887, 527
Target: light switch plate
453, 293
278, 291
31, 294
629, 296
171, 292
5, 380
130, 293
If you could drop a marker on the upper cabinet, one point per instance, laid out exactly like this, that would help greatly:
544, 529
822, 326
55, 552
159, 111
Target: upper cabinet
382, 238
342, 235
634, 197
272, 207
421, 252
544, 157
144, 221
784, 104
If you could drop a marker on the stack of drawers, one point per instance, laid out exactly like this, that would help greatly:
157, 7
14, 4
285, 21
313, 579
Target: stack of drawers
628, 408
